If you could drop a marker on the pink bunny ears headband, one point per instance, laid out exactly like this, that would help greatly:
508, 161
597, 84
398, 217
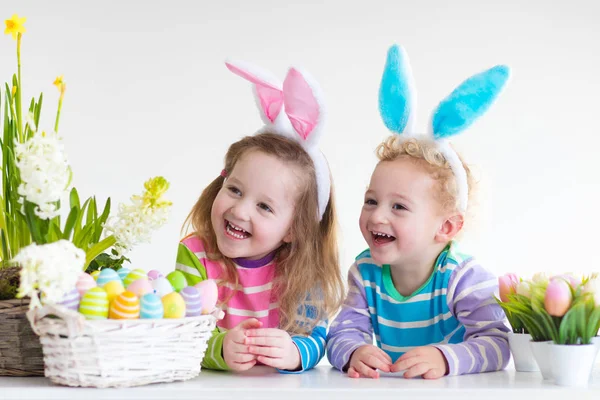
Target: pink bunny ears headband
301, 100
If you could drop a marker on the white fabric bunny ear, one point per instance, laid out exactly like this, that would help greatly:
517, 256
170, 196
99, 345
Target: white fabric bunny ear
301, 99
468, 102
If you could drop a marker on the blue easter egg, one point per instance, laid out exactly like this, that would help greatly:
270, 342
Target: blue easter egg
123, 272
151, 306
107, 275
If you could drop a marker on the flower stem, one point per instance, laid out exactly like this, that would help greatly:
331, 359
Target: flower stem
19, 90
98, 248
60, 101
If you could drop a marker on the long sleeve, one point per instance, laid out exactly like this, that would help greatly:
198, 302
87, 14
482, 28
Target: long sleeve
352, 327
470, 299
195, 272
311, 348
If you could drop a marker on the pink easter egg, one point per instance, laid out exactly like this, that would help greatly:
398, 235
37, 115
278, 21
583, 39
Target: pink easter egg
140, 287
84, 283
209, 294
154, 274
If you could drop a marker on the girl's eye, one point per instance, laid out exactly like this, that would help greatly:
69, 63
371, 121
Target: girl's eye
265, 207
398, 207
371, 202
234, 190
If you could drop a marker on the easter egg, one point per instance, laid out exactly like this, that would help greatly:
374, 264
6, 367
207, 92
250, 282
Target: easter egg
177, 280
113, 289
71, 299
95, 274
209, 294
94, 304
151, 306
162, 287
107, 275
123, 272
154, 275
174, 305
134, 276
125, 306
140, 287
84, 283
193, 301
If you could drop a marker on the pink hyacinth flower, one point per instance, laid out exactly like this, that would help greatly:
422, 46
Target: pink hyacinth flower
558, 298
507, 285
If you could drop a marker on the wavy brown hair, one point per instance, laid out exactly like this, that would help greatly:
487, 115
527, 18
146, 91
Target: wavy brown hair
308, 273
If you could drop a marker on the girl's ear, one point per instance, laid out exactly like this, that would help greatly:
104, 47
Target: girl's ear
288, 237
450, 227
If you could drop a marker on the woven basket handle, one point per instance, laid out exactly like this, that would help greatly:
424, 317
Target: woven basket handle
75, 321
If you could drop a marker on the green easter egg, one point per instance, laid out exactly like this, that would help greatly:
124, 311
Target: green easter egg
177, 280
134, 276
94, 304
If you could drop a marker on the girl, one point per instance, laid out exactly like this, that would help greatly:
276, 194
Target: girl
265, 230
430, 307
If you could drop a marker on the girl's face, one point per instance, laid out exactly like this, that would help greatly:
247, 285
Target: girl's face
400, 216
253, 212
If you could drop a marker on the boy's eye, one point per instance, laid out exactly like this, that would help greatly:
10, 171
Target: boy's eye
265, 207
234, 190
371, 202
398, 207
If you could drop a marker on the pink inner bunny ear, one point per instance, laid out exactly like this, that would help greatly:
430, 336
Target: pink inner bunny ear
301, 106
269, 95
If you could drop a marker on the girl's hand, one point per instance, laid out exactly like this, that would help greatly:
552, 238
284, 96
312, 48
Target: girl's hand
366, 360
235, 351
273, 347
428, 362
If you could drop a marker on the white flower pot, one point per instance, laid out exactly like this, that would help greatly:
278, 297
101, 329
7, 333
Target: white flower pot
572, 364
521, 352
541, 353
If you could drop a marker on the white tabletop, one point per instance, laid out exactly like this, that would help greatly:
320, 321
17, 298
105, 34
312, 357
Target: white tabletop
323, 382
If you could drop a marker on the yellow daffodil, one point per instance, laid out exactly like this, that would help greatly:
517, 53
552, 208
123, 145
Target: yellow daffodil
14, 26
14, 90
58, 82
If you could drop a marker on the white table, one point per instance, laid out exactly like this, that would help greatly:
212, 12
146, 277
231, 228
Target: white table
323, 382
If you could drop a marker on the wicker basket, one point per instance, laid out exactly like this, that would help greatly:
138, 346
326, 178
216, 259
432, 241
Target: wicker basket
120, 353
20, 348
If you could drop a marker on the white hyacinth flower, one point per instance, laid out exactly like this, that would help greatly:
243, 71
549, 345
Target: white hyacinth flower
45, 172
50, 270
135, 222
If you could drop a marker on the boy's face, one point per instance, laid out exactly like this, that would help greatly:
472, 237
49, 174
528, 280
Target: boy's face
400, 216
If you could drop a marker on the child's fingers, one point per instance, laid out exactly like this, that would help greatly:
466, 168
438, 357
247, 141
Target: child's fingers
264, 341
352, 373
373, 361
243, 366
365, 370
242, 358
417, 370
265, 332
384, 358
271, 361
406, 363
273, 352
433, 373
251, 323
385, 355
237, 337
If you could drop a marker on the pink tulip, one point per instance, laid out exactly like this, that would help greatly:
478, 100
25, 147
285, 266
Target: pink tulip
558, 298
570, 279
507, 285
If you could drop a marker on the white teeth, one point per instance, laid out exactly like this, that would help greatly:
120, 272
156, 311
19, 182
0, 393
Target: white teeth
381, 234
233, 231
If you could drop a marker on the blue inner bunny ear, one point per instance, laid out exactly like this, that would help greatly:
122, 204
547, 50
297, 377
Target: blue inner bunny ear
396, 92
470, 100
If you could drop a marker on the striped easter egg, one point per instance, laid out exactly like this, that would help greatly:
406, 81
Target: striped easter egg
123, 272
193, 301
140, 287
84, 283
154, 275
151, 306
71, 300
174, 305
125, 306
94, 304
107, 275
134, 276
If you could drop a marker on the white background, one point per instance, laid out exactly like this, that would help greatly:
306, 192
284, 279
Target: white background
148, 95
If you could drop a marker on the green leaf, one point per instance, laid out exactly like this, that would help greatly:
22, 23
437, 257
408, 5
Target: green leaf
54, 233
92, 211
74, 199
99, 225
78, 226
71, 219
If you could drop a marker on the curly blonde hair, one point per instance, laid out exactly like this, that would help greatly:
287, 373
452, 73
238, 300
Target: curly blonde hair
425, 152
308, 274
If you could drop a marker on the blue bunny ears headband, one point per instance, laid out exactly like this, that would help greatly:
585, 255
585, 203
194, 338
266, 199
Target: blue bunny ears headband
469, 101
